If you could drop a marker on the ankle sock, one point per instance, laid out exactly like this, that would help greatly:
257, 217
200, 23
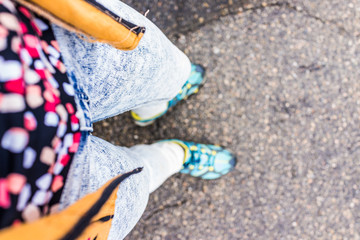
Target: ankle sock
161, 160
151, 110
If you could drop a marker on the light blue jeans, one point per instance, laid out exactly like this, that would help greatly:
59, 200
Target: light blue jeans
109, 82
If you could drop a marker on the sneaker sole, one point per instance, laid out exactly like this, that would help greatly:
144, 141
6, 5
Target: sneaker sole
144, 124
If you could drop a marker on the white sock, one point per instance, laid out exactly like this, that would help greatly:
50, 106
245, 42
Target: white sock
162, 160
151, 110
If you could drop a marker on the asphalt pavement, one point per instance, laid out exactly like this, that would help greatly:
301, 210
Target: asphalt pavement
283, 93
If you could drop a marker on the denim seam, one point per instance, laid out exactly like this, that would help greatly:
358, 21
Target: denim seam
83, 103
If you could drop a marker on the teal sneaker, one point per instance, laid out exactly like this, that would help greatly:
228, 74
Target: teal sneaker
192, 86
204, 160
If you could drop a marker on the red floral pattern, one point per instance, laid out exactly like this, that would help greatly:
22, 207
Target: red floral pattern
39, 129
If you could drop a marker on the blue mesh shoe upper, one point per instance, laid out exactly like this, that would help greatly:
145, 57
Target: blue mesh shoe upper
205, 161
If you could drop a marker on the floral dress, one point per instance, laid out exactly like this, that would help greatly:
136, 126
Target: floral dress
39, 127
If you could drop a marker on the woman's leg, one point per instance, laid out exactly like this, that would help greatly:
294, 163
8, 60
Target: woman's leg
117, 81
99, 161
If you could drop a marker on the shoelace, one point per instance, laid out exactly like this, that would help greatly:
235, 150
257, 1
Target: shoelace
178, 97
187, 86
197, 151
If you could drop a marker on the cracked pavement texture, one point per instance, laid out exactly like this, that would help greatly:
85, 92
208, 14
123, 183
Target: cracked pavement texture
283, 93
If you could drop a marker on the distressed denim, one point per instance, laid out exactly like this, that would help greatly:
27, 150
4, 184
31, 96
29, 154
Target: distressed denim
109, 82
